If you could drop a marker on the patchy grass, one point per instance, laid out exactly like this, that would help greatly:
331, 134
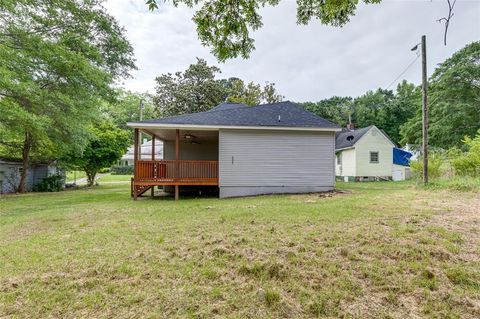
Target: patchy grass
374, 250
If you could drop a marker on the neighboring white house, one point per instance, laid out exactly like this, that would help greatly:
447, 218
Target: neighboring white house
10, 172
146, 153
367, 154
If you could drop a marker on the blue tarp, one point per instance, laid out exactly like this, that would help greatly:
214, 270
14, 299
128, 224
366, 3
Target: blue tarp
401, 157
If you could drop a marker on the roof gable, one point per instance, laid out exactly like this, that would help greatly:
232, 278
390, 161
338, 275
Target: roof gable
348, 139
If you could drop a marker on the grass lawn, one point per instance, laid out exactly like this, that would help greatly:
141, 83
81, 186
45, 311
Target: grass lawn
114, 178
71, 176
376, 250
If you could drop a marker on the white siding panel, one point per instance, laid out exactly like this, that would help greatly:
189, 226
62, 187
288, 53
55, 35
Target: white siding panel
347, 168
276, 158
374, 141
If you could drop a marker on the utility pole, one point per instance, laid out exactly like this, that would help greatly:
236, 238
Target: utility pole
424, 110
140, 132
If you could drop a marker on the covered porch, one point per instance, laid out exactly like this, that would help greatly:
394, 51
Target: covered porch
190, 158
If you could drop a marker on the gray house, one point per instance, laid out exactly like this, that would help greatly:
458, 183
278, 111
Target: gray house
242, 150
10, 171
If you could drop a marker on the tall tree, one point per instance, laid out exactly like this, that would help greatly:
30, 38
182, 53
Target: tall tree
194, 90
454, 101
383, 108
197, 89
270, 94
400, 109
58, 59
335, 109
126, 108
369, 108
251, 93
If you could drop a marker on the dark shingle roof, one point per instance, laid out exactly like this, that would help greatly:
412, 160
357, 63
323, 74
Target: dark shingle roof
227, 106
347, 138
282, 114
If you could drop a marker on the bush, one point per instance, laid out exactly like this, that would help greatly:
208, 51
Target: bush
122, 170
468, 163
104, 170
52, 183
435, 161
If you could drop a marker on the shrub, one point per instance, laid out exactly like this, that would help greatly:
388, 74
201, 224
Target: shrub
435, 162
52, 183
467, 163
104, 170
122, 170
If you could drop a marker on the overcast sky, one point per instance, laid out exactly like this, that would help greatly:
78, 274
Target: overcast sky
307, 63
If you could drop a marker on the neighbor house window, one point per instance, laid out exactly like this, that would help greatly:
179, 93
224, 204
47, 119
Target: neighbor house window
339, 158
374, 157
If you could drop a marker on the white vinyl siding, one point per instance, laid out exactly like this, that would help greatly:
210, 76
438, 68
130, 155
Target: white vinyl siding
347, 167
374, 141
255, 158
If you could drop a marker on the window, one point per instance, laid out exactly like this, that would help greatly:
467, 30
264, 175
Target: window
374, 157
339, 158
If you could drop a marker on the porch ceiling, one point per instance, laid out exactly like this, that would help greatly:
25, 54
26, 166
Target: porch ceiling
169, 134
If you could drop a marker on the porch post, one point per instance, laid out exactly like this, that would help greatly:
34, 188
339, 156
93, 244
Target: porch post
153, 159
177, 157
135, 159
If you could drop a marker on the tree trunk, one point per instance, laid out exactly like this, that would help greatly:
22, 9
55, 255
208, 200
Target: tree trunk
27, 144
91, 178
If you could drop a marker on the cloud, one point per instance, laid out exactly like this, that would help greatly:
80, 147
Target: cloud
306, 62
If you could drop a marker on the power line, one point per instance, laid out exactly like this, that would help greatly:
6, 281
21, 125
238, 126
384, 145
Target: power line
403, 72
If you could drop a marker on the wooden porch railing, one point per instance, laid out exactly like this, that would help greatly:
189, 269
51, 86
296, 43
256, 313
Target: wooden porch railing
172, 172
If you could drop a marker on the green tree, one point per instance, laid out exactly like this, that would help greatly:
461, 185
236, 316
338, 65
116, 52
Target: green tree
454, 101
369, 108
335, 109
225, 26
58, 60
270, 94
197, 90
126, 108
194, 90
106, 145
400, 109
251, 93
382, 108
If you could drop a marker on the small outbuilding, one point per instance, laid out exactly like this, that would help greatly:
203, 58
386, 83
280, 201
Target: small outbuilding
10, 172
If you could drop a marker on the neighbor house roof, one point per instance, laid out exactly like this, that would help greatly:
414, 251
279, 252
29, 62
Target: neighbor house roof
348, 138
282, 114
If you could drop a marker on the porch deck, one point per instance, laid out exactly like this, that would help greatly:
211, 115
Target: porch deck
149, 173
176, 172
